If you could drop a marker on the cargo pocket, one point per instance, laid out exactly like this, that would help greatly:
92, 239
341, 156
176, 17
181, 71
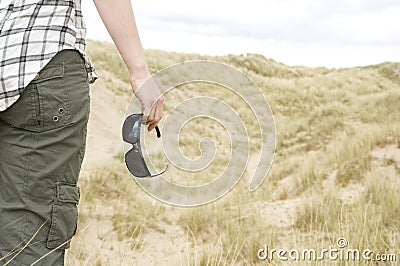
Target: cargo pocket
53, 105
44, 104
64, 216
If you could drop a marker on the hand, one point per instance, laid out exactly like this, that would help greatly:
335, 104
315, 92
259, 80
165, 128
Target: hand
151, 100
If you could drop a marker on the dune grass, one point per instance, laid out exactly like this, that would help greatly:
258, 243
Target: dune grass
328, 121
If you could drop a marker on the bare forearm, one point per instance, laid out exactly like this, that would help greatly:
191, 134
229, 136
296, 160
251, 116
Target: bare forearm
119, 20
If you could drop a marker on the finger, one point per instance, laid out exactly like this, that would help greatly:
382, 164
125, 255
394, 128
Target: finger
144, 119
150, 117
154, 123
151, 127
158, 114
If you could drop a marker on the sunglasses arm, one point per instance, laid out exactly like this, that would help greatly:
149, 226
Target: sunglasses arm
162, 171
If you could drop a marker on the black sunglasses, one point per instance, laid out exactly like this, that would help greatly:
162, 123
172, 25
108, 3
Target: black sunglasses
134, 158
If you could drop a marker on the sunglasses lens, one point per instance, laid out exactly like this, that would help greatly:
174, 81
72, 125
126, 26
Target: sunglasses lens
136, 164
131, 129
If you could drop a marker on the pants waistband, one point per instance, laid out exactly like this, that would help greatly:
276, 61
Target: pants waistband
69, 56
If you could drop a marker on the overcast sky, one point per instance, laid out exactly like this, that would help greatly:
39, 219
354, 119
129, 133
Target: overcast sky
331, 33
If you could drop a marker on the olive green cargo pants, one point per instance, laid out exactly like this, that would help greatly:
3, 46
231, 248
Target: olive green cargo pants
42, 143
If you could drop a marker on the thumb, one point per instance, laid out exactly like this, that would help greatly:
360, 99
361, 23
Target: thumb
146, 112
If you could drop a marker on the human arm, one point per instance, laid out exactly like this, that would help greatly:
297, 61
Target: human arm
118, 17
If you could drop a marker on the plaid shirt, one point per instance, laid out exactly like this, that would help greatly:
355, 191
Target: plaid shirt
32, 32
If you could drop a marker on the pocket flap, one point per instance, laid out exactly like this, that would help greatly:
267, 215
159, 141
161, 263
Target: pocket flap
49, 73
68, 193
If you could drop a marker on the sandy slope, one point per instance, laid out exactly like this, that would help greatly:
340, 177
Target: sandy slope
166, 245
104, 130
97, 240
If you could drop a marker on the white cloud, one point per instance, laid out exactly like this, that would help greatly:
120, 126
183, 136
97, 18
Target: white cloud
332, 33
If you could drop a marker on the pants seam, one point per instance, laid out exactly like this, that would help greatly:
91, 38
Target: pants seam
26, 180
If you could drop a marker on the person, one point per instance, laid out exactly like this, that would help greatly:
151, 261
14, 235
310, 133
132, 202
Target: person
44, 107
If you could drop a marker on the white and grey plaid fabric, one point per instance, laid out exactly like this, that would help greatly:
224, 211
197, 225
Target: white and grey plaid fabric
32, 32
